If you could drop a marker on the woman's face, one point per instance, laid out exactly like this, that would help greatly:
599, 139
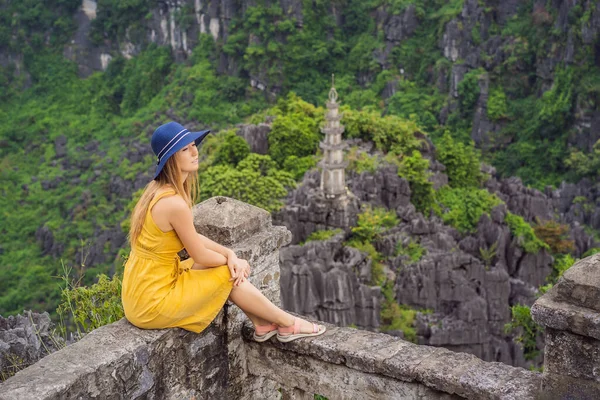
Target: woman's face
187, 158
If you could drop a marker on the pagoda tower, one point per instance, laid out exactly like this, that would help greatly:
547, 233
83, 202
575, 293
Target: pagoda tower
333, 174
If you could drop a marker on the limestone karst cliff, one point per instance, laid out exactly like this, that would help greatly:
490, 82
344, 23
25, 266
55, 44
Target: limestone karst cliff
469, 51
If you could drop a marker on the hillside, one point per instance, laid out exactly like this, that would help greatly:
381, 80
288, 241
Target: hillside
84, 84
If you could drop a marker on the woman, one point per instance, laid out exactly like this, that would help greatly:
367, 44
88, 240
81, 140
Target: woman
159, 290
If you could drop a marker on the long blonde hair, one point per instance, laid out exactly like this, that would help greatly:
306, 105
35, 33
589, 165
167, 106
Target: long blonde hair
170, 175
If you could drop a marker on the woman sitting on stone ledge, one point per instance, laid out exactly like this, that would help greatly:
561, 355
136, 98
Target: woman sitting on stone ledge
159, 290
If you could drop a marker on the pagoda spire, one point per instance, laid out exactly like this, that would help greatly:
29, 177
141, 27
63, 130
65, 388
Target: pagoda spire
333, 173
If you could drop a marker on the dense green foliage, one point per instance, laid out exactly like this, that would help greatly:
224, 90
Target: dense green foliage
88, 308
461, 161
463, 207
372, 222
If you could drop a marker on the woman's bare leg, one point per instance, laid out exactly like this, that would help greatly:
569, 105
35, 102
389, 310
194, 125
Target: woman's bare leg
253, 302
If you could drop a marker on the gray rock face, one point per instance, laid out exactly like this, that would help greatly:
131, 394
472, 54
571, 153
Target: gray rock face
399, 27
307, 210
256, 136
24, 339
535, 206
330, 282
469, 295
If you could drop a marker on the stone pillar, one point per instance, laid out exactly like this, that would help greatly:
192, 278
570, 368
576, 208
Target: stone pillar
570, 313
249, 232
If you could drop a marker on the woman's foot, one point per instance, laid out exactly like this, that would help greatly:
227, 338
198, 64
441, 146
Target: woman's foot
299, 329
264, 332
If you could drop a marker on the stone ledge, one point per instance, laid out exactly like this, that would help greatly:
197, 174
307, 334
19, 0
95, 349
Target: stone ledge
547, 311
122, 361
580, 284
227, 221
261, 243
446, 371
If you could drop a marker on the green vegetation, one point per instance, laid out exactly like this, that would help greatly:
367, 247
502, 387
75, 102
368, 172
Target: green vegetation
526, 330
526, 237
395, 316
413, 250
83, 309
360, 161
323, 235
461, 161
415, 169
463, 207
372, 222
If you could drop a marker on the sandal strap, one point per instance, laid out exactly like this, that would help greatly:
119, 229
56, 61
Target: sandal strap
262, 329
315, 328
293, 329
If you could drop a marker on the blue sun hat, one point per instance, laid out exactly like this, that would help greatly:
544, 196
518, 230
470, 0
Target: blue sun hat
169, 138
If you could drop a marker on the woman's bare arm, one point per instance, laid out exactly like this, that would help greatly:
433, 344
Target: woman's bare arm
214, 246
180, 217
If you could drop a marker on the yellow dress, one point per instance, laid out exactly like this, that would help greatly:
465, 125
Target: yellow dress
161, 291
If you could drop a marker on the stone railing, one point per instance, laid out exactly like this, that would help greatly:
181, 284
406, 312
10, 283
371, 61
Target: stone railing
122, 361
570, 313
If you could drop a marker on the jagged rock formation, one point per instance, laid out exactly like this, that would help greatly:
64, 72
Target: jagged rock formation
329, 282
469, 295
572, 204
24, 339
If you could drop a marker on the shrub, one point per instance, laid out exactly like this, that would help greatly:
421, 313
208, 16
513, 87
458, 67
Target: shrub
395, 316
461, 161
377, 274
232, 149
415, 169
526, 237
389, 133
463, 207
90, 307
295, 130
496, 105
256, 180
372, 222
413, 250
323, 234
360, 161
527, 330
555, 235
297, 166
468, 91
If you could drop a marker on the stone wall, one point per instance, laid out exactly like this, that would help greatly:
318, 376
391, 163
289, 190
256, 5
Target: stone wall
120, 361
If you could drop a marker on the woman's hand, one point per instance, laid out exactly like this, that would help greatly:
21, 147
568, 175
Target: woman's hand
239, 269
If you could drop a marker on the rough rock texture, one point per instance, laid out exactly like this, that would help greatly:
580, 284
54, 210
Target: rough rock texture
352, 364
24, 339
122, 361
256, 137
572, 204
307, 210
469, 296
571, 317
330, 282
